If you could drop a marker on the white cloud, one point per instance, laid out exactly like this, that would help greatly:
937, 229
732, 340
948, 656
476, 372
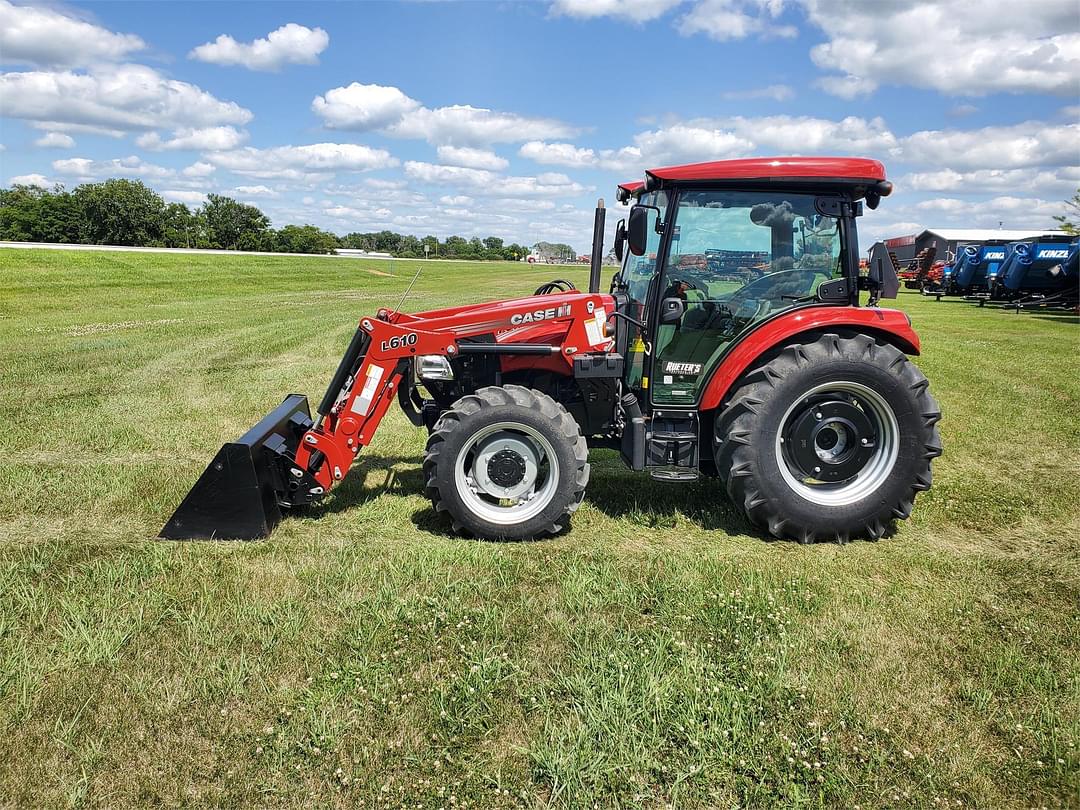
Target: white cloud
458, 200
725, 20
383, 184
471, 158
366, 107
43, 36
634, 10
989, 180
199, 168
291, 44
31, 180
558, 154
122, 98
132, 166
847, 87
776, 92
1002, 46
55, 140
464, 124
628, 158
307, 162
1032, 143
362, 106
256, 191
186, 197
483, 183
1009, 211
207, 139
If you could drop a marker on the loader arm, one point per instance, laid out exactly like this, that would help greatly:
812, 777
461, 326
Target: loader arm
558, 326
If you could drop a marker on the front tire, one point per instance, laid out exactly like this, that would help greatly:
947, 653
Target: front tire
506, 463
832, 438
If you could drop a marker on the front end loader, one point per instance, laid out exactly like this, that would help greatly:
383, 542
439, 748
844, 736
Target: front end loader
730, 344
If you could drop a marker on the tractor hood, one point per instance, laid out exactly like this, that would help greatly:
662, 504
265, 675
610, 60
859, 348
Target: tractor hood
513, 320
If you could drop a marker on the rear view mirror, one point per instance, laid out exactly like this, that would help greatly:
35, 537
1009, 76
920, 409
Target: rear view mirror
882, 272
620, 239
672, 310
637, 228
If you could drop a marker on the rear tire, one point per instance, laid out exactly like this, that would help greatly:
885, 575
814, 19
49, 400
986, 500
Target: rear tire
506, 463
831, 439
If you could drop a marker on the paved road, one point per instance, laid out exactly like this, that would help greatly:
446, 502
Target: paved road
126, 248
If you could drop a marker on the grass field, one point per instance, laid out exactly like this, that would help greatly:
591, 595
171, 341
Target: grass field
659, 654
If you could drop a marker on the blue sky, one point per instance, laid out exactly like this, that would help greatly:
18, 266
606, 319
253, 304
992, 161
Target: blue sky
510, 119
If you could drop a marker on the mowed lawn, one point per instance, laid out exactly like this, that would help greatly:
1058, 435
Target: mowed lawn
659, 654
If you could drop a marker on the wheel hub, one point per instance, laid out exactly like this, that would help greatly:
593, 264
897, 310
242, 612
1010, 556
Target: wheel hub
506, 465
506, 468
829, 440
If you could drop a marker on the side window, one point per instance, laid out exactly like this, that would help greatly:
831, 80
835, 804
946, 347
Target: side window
736, 258
638, 271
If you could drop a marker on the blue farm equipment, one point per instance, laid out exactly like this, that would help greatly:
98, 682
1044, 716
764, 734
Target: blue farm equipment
1041, 274
975, 269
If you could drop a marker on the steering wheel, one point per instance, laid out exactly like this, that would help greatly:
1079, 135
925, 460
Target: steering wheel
559, 285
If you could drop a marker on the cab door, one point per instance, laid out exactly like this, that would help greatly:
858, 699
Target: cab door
639, 281
733, 260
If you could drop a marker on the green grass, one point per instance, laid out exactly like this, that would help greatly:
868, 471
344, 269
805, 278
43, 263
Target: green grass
658, 654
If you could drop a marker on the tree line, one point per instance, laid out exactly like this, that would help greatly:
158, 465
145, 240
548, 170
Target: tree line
127, 212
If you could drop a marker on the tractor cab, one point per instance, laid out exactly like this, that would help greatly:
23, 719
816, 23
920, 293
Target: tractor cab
713, 250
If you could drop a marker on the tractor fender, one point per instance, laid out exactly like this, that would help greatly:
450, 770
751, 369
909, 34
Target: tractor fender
891, 325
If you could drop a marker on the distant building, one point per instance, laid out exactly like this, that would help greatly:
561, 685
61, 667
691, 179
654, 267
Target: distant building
946, 241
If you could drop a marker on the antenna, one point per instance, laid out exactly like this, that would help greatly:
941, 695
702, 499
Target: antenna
408, 289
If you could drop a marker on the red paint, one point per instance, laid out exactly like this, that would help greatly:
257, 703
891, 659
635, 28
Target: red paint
845, 168
397, 336
892, 324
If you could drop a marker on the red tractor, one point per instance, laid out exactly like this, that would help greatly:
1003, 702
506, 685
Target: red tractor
800, 401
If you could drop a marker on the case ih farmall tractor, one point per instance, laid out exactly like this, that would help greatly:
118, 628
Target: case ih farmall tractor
799, 401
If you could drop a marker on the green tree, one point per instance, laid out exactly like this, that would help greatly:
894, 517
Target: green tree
305, 239
120, 212
35, 214
234, 225
1070, 220
183, 228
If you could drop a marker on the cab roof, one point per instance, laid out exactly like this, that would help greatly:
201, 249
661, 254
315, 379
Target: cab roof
832, 171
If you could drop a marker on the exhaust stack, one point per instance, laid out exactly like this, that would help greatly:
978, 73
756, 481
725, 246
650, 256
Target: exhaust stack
596, 259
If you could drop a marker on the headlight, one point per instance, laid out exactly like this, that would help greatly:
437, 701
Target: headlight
433, 367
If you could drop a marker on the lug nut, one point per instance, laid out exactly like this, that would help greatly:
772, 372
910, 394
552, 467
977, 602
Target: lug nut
817, 415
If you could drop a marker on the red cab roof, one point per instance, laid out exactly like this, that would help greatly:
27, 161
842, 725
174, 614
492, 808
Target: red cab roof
626, 190
838, 168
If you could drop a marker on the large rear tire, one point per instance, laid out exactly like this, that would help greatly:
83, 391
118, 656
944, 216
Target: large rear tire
830, 439
506, 463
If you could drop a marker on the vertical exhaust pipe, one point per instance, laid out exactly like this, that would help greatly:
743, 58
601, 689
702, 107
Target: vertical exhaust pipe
597, 256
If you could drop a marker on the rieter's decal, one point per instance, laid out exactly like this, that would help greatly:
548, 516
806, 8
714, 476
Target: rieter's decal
540, 315
684, 369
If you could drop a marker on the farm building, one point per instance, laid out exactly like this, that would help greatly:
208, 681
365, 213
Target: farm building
945, 241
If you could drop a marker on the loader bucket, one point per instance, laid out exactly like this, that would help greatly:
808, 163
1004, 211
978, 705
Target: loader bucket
241, 494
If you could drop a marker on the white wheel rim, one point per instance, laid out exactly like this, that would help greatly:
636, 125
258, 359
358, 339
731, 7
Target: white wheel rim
507, 505
873, 473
